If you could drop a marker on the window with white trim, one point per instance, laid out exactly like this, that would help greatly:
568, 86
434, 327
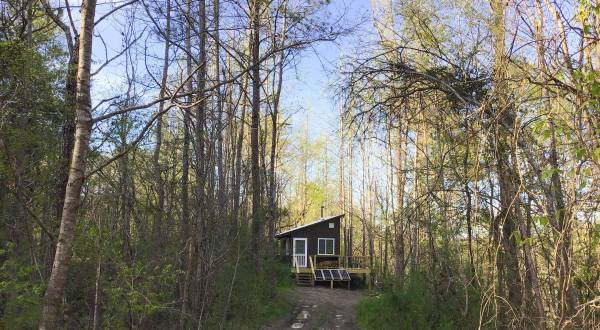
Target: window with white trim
326, 246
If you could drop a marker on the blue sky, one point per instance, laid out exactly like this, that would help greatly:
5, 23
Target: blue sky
308, 86
307, 93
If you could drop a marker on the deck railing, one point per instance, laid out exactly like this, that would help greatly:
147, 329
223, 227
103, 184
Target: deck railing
329, 261
295, 265
312, 267
355, 262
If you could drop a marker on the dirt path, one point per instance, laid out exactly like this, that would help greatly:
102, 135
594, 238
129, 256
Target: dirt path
321, 308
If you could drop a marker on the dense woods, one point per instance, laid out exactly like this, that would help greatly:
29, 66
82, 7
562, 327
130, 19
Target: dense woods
149, 155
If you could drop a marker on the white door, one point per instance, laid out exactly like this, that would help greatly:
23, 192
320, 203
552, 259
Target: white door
300, 252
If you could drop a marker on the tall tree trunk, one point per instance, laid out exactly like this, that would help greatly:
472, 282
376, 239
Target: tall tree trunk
125, 201
64, 248
67, 129
504, 115
341, 181
185, 167
560, 219
239, 146
220, 98
399, 265
158, 175
350, 196
274, 132
254, 132
468, 202
96, 309
201, 170
68, 134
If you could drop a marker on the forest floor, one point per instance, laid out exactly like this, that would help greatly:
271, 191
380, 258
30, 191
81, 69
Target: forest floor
321, 308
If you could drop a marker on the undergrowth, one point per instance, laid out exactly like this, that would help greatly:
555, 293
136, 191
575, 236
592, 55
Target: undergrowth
421, 304
258, 301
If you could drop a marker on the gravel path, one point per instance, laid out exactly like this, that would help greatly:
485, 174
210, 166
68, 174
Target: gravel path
321, 308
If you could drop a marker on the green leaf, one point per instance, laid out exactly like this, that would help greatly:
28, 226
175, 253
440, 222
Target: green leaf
596, 154
546, 133
595, 90
547, 173
579, 153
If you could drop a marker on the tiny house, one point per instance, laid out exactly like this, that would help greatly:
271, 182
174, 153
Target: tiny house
313, 252
321, 237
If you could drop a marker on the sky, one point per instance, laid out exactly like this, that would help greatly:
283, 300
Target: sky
307, 91
308, 85
308, 96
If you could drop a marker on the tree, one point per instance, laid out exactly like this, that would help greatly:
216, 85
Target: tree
64, 248
257, 227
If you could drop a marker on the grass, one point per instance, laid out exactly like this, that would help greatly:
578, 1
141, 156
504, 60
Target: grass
273, 309
264, 312
257, 304
418, 305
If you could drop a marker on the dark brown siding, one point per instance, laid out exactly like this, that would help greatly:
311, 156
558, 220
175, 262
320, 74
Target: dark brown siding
320, 230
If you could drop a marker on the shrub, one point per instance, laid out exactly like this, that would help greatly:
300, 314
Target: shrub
421, 304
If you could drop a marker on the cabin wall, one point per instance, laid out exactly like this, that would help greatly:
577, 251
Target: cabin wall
320, 230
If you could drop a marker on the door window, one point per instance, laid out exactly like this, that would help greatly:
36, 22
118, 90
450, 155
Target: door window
300, 246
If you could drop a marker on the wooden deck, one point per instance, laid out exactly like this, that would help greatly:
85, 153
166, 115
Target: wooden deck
361, 271
355, 265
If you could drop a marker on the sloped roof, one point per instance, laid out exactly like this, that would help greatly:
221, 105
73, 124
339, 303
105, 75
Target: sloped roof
309, 224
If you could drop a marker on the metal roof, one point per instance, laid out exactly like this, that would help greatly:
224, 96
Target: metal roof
309, 224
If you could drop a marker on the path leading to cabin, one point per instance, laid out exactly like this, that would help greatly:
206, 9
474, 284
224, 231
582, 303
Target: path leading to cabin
321, 308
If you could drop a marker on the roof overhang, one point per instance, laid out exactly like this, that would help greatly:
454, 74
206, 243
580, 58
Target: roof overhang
287, 232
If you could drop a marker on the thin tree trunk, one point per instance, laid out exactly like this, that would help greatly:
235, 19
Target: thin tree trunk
468, 202
67, 129
201, 170
274, 134
341, 181
254, 134
231, 286
185, 166
160, 191
505, 113
221, 190
238, 157
64, 248
351, 196
97, 293
399, 265
68, 134
560, 220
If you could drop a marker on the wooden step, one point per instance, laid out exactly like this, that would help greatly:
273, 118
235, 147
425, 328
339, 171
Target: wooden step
304, 279
304, 282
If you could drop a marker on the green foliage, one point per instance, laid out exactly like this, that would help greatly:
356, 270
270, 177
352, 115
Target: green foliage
20, 290
29, 120
262, 310
139, 290
256, 298
421, 304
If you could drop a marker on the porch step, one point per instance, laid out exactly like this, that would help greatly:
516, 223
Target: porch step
304, 279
